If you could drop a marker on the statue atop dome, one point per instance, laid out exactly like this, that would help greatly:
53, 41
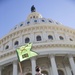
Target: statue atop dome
33, 8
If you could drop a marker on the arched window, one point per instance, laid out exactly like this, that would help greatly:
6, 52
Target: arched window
50, 37
71, 39
28, 22
28, 74
21, 24
33, 16
38, 38
61, 38
15, 28
16, 43
7, 47
50, 21
60, 72
43, 20
45, 72
35, 20
57, 23
27, 40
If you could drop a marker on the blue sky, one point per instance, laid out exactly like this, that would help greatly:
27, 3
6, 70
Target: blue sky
13, 12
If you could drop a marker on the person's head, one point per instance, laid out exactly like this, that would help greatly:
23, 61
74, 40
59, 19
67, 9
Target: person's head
38, 69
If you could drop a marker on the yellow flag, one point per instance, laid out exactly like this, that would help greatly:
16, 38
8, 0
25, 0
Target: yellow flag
25, 52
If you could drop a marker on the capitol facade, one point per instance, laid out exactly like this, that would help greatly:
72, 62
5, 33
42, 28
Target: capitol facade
54, 42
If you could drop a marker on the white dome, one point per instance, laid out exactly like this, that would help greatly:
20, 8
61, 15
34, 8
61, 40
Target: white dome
54, 43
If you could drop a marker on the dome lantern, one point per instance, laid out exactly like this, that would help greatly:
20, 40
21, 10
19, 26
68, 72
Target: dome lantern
33, 13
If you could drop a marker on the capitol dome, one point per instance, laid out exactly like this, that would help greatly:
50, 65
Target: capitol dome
54, 42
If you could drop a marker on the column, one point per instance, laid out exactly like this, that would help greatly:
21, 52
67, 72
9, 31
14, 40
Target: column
11, 44
68, 71
2, 47
67, 37
32, 37
15, 68
50, 71
72, 63
20, 40
33, 62
56, 35
0, 71
45, 37
53, 64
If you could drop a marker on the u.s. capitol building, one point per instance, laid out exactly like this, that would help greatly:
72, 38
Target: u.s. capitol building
54, 42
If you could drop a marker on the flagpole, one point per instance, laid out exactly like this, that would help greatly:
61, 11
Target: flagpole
20, 68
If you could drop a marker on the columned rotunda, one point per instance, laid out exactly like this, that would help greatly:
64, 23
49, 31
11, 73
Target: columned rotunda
54, 42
